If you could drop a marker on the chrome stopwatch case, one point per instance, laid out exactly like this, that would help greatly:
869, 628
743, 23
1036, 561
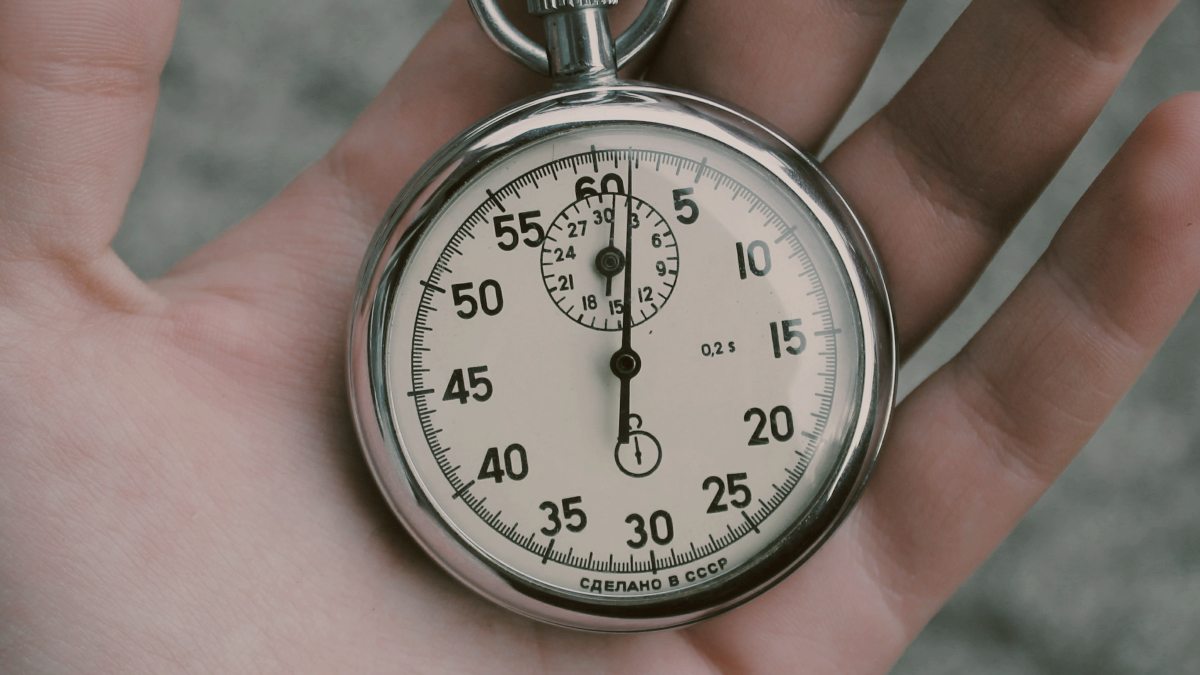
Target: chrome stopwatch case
622, 357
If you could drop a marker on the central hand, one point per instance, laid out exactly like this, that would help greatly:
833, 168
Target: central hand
626, 363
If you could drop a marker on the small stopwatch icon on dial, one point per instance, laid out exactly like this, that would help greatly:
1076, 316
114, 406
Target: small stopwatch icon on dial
641, 454
584, 260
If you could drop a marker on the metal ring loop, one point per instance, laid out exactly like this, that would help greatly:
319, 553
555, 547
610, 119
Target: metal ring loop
631, 43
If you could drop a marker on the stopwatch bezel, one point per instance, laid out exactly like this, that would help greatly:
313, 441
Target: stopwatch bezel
403, 231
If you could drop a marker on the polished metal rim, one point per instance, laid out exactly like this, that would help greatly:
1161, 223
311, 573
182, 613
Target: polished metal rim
404, 230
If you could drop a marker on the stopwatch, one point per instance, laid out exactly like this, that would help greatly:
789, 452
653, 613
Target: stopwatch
622, 357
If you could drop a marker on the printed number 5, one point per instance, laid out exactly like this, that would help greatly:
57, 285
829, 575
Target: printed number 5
688, 211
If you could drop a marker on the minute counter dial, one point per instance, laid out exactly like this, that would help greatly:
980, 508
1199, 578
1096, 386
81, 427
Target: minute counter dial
584, 261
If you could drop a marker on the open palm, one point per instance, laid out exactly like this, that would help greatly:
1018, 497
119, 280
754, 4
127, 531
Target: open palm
181, 489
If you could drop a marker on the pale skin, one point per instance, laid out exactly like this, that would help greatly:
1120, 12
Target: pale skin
181, 489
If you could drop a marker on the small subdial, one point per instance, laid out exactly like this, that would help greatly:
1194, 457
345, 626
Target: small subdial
584, 260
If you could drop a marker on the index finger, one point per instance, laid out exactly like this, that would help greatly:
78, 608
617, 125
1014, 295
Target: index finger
796, 63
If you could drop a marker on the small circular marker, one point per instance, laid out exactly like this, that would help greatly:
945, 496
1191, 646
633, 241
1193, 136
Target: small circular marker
641, 454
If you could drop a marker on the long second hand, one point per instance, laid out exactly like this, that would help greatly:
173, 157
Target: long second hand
627, 311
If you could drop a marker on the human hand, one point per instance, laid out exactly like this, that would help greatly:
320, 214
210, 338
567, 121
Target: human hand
181, 490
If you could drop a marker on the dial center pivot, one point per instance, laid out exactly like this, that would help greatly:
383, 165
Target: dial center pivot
626, 364
610, 261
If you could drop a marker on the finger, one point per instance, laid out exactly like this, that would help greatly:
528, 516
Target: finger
299, 255
78, 86
321, 223
976, 445
795, 63
310, 241
454, 78
973, 447
943, 173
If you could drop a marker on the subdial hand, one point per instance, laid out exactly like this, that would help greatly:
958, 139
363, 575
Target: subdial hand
610, 261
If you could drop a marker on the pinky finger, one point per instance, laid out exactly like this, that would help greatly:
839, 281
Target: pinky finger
978, 443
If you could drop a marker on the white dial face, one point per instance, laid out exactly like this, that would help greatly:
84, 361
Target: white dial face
605, 461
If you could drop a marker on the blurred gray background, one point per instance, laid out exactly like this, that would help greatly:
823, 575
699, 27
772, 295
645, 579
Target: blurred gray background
1102, 577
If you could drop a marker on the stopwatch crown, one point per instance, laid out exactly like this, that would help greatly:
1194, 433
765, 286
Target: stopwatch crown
544, 7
